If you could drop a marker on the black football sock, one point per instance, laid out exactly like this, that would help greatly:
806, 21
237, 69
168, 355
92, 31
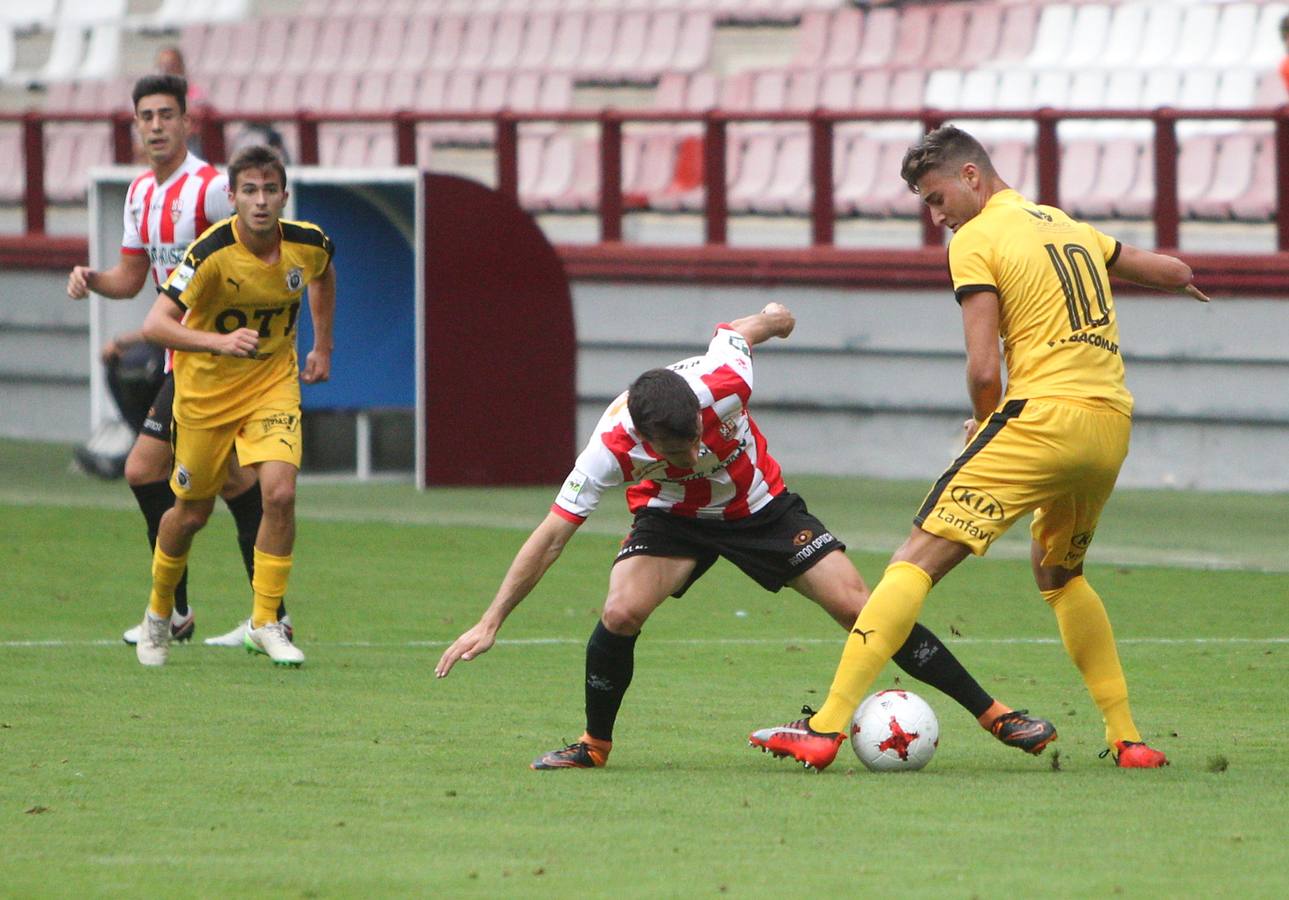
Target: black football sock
154, 498
928, 660
247, 509
610, 662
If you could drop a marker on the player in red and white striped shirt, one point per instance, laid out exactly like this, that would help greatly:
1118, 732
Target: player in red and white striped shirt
166, 209
704, 486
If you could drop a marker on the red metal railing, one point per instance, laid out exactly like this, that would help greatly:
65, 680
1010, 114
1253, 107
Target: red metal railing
1166, 214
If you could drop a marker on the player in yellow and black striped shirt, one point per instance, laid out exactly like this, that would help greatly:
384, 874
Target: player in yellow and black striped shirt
1052, 444
229, 312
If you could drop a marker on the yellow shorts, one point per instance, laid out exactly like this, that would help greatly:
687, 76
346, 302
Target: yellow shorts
202, 454
1059, 458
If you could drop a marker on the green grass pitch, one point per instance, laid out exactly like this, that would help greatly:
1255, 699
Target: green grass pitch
360, 774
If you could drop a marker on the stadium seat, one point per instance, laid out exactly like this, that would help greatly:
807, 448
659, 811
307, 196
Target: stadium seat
655, 170
812, 39
1017, 36
507, 40
342, 93
476, 42
943, 87
916, 30
1195, 43
597, 45
769, 90
1232, 178
103, 55
1267, 46
254, 96
1235, 39
226, 94
1080, 163
86, 13
1163, 33
275, 33
906, 89
566, 45
1116, 174
947, 34
1091, 28
417, 43
880, 25
65, 54
695, 48
845, 35
449, 32
788, 189
758, 150
539, 39
243, 47
1125, 36
628, 47
360, 45
11, 176
662, 43
858, 173
1052, 37
300, 49
837, 89
283, 94
1196, 167
1012, 160
803, 90
1258, 202
984, 30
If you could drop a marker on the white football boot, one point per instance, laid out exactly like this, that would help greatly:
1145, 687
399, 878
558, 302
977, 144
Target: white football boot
273, 642
181, 628
153, 647
237, 637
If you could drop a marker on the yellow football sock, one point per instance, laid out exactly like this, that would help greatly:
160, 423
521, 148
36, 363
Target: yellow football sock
269, 585
882, 628
166, 572
1085, 630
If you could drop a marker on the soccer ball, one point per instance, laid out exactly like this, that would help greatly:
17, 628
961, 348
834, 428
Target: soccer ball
894, 731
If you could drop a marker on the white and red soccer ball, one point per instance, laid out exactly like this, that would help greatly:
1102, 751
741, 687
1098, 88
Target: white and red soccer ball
894, 731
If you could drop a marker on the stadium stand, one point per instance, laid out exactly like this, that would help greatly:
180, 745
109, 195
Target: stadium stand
476, 58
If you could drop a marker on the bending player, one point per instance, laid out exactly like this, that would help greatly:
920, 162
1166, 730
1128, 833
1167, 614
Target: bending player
705, 486
229, 312
1052, 444
166, 208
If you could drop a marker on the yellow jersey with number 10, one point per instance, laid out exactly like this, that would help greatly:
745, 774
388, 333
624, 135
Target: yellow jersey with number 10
1056, 313
222, 286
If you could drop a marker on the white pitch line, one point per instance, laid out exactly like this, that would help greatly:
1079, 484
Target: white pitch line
755, 642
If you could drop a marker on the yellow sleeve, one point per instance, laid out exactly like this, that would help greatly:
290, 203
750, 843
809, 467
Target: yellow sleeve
1108, 246
970, 264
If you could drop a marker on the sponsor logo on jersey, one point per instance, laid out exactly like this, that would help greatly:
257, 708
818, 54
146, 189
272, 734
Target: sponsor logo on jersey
803, 536
739, 343
182, 476
977, 501
177, 210
730, 427
295, 279
1093, 340
166, 255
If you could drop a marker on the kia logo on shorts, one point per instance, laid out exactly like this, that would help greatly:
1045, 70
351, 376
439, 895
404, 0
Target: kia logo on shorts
978, 502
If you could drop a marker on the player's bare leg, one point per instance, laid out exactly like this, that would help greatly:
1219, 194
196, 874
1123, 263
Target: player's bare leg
1089, 640
273, 547
637, 586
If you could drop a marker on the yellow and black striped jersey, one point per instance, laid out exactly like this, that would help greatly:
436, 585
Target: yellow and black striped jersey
222, 286
1057, 319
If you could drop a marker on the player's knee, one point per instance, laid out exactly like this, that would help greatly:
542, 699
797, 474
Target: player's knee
147, 464
191, 519
279, 498
620, 619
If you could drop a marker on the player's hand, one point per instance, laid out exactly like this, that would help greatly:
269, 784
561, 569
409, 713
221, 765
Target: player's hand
317, 367
1195, 292
971, 426
78, 282
111, 351
779, 310
478, 639
243, 342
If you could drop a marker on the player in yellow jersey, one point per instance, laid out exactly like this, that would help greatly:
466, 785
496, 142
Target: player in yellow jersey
1051, 445
229, 312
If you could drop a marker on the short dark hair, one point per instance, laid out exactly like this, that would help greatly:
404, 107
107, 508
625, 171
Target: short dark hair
946, 146
662, 405
256, 156
174, 85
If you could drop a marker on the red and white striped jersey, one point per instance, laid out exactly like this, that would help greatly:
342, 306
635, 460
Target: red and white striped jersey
735, 475
161, 220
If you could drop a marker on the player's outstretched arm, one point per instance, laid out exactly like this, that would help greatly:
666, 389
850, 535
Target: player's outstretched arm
164, 326
322, 308
537, 555
121, 282
1155, 270
776, 320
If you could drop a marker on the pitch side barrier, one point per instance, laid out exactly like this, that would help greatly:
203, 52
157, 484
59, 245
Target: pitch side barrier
715, 260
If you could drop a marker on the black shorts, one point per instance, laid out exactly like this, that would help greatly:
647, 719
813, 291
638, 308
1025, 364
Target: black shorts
772, 547
160, 414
